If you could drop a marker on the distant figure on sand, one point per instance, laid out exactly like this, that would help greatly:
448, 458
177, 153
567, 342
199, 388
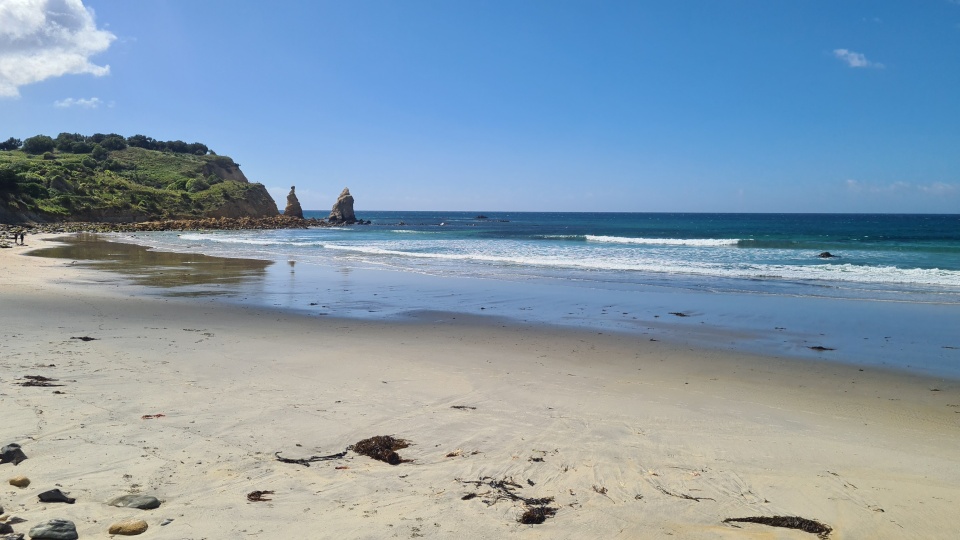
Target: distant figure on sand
22, 235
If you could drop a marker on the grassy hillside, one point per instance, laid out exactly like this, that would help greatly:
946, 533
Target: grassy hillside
131, 184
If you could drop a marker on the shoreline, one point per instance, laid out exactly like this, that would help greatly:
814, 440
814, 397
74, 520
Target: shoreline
899, 336
614, 427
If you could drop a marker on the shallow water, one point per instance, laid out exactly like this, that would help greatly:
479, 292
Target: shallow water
914, 336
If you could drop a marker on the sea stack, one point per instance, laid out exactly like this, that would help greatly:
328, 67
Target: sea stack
343, 209
293, 208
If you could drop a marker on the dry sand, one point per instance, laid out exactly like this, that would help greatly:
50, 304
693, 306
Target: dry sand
618, 429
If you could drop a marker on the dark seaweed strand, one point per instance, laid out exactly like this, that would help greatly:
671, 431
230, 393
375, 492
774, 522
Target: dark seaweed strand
788, 522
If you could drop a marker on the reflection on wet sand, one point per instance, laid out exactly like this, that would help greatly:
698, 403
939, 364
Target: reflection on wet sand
189, 274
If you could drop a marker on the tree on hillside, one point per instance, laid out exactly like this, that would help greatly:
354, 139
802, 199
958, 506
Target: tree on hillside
114, 142
65, 141
98, 153
81, 147
11, 144
8, 179
38, 144
196, 148
178, 147
142, 141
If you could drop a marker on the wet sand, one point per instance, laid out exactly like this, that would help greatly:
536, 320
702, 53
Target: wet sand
631, 438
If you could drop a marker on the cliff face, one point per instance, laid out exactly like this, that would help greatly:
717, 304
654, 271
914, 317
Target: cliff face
256, 202
225, 170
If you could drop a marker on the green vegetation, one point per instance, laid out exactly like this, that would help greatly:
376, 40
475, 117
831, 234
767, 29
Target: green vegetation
110, 178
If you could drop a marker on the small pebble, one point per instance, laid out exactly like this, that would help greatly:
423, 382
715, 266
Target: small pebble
128, 527
20, 482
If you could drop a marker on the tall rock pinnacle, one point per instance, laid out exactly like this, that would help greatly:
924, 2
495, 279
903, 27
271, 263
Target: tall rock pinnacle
343, 209
293, 205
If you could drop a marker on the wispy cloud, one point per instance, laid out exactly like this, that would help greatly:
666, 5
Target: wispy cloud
933, 188
91, 103
41, 39
855, 59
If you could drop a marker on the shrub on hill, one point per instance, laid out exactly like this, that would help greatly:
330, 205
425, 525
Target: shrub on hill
38, 144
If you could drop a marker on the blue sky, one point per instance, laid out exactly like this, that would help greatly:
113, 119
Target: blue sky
729, 106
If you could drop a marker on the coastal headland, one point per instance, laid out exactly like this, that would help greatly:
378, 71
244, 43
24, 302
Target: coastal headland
240, 421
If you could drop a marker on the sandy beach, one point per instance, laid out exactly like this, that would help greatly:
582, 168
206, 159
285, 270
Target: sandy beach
189, 400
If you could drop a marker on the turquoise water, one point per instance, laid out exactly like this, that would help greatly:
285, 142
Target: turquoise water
890, 296
914, 258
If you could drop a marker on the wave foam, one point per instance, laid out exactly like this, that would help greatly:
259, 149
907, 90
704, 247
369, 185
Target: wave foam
700, 242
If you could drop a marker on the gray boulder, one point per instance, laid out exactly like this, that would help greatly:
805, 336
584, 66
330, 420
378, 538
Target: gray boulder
342, 211
143, 502
12, 453
293, 208
54, 529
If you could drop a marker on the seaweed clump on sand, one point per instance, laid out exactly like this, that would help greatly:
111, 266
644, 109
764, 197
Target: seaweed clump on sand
789, 522
382, 448
536, 510
38, 380
536, 515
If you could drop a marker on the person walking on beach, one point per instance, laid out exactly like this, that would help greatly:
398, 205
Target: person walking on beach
22, 236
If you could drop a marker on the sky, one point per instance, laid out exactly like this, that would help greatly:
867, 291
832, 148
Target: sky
513, 105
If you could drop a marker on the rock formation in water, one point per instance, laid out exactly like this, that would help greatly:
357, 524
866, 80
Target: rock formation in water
342, 211
293, 205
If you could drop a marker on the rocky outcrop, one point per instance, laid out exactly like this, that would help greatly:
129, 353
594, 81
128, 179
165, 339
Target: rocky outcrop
256, 202
293, 208
342, 211
224, 168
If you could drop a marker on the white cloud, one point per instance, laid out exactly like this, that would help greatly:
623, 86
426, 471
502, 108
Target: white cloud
855, 59
91, 103
940, 188
933, 188
40, 39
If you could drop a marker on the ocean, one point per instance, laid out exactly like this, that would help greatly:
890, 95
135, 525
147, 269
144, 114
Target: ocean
913, 258
890, 293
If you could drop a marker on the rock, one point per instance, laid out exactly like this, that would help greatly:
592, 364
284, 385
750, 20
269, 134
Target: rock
826, 255
55, 495
5, 528
12, 453
143, 502
293, 208
12, 536
20, 482
54, 529
128, 527
342, 211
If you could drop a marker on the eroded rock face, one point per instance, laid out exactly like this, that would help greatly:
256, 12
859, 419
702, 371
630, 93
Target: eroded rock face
342, 211
293, 208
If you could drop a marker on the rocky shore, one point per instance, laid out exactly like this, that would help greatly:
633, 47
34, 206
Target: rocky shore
223, 223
